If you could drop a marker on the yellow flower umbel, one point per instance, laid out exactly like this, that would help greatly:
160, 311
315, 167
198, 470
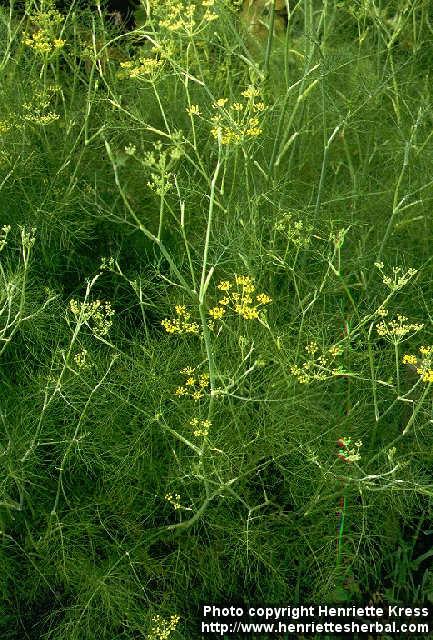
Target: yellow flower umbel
295, 231
397, 330
183, 18
141, 68
181, 323
195, 385
96, 315
80, 359
180, 18
38, 110
173, 499
193, 110
410, 359
318, 365
162, 629
235, 122
42, 43
423, 365
4, 126
399, 277
217, 312
201, 427
45, 41
239, 297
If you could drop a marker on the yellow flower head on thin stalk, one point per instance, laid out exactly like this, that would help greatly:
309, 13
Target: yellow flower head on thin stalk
141, 68
263, 298
382, 311
398, 279
239, 297
193, 110
43, 44
173, 499
251, 92
224, 285
96, 315
200, 427
318, 365
162, 628
195, 385
38, 110
235, 122
81, 360
397, 330
217, 312
45, 41
180, 18
423, 365
296, 231
181, 323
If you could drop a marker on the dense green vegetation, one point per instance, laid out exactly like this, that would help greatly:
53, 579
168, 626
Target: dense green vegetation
215, 313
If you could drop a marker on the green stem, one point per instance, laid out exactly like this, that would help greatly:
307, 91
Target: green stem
373, 384
341, 534
270, 38
161, 204
397, 367
323, 170
205, 278
202, 310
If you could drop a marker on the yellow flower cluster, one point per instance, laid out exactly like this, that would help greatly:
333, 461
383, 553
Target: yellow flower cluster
184, 17
201, 427
42, 43
250, 92
382, 311
238, 296
44, 40
4, 126
173, 499
181, 323
397, 330
43, 119
96, 315
296, 231
398, 279
209, 15
80, 359
193, 110
194, 386
165, 48
162, 629
236, 121
422, 365
317, 367
179, 17
38, 109
141, 68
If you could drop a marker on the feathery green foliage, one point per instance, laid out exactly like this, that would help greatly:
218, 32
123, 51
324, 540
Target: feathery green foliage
215, 286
